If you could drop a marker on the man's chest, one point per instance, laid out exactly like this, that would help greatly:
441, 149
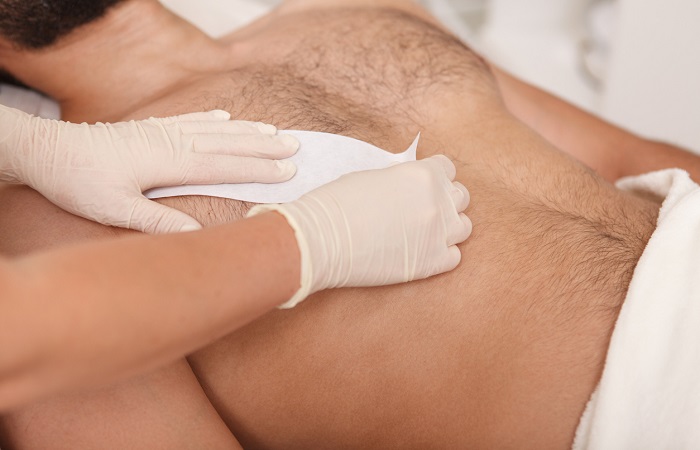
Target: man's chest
364, 74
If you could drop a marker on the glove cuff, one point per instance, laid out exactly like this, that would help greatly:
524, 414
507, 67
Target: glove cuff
306, 267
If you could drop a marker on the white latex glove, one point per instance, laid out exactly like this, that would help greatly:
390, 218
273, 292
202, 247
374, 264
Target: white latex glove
100, 171
378, 227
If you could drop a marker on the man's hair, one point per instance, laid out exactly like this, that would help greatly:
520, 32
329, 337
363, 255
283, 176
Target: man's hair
35, 24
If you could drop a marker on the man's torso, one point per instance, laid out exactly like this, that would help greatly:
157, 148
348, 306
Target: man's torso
502, 352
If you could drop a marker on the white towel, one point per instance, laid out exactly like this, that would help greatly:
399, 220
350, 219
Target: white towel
649, 394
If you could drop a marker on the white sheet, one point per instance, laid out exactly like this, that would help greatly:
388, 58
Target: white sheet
217, 17
649, 394
29, 101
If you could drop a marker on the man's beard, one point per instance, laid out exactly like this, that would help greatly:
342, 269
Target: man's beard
35, 24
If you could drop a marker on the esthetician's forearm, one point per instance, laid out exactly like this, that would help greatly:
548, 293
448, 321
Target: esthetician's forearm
97, 313
609, 150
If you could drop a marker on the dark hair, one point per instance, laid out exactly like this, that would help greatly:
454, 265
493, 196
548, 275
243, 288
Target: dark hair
35, 24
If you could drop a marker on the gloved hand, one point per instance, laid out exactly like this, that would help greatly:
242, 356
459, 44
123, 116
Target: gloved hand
378, 227
100, 171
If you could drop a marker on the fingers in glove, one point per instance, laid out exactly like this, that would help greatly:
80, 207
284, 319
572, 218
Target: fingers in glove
459, 230
227, 127
217, 169
445, 164
216, 115
451, 260
255, 145
153, 218
460, 196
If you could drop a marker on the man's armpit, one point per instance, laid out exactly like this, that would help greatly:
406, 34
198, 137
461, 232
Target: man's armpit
209, 211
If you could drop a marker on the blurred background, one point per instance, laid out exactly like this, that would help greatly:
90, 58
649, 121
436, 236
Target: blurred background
635, 63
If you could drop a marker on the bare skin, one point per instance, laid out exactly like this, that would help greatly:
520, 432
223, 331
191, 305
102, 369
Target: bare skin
504, 352
611, 151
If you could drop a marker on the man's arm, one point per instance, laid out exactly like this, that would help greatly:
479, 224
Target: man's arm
609, 150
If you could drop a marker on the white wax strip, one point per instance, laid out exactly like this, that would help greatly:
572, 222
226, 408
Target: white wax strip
321, 158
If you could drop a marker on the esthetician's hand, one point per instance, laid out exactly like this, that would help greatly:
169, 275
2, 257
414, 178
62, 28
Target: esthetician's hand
100, 171
379, 227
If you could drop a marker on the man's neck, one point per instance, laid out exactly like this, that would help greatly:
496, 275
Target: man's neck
138, 52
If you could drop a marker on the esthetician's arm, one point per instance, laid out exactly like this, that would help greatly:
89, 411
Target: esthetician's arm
93, 314
611, 151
